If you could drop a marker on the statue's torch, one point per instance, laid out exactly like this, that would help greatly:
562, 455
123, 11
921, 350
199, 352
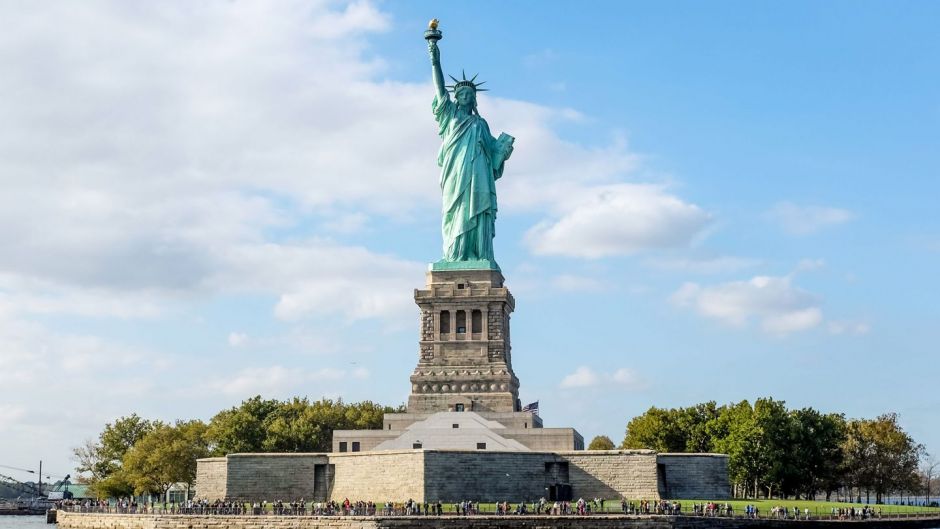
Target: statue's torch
433, 34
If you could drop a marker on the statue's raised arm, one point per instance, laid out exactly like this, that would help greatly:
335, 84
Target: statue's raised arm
433, 35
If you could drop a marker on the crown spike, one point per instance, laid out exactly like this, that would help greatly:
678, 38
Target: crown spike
454, 78
474, 78
463, 74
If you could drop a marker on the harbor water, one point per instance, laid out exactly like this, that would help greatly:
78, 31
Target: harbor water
24, 522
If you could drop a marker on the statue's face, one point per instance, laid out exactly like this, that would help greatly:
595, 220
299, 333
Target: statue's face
466, 97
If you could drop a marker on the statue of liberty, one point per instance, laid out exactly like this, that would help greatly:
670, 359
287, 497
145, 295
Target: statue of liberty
471, 161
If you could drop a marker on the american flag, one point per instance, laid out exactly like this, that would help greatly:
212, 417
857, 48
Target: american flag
533, 407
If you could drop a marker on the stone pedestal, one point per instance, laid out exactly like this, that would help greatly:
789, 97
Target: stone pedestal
464, 361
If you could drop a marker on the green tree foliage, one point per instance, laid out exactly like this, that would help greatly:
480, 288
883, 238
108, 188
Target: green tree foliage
164, 456
241, 429
742, 439
817, 460
297, 425
657, 429
601, 442
101, 461
673, 430
774, 451
137, 456
695, 421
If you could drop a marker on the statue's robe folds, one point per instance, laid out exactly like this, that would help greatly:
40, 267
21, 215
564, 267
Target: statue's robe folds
470, 164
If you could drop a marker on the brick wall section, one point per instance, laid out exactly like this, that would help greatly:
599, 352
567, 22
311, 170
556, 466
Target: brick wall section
271, 476
211, 477
695, 476
378, 476
613, 474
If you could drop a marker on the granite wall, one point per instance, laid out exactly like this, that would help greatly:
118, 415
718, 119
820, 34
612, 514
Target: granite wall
514, 476
378, 476
251, 477
212, 477
613, 474
484, 476
454, 475
694, 476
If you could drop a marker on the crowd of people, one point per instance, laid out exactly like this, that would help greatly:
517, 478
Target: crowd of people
581, 507
853, 513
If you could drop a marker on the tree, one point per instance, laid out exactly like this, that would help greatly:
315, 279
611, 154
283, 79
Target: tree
165, 456
929, 469
657, 429
775, 442
673, 430
601, 442
240, 429
881, 456
757, 440
297, 425
815, 453
695, 422
101, 460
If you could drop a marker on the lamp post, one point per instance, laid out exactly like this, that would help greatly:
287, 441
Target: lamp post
39, 477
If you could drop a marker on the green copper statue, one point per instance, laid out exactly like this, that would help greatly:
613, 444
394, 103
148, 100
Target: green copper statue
471, 161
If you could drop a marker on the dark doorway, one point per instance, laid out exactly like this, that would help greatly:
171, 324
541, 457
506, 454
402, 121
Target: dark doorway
559, 492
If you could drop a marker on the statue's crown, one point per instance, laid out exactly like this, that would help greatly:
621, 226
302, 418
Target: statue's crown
466, 82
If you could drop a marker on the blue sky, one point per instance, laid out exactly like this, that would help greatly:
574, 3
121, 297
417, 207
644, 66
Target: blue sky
706, 202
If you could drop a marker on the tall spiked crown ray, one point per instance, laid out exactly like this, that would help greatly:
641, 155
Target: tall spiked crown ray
465, 82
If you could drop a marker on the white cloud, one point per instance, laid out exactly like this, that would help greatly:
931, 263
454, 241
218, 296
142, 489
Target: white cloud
848, 327
792, 321
576, 283
804, 220
628, 378
154, 164
808, 265
347, 223
280, 381
237, 339
584, 377
708, 265
259, 381
618, 219
319, 277
157, 158
10, 415
39, 297
780, 307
